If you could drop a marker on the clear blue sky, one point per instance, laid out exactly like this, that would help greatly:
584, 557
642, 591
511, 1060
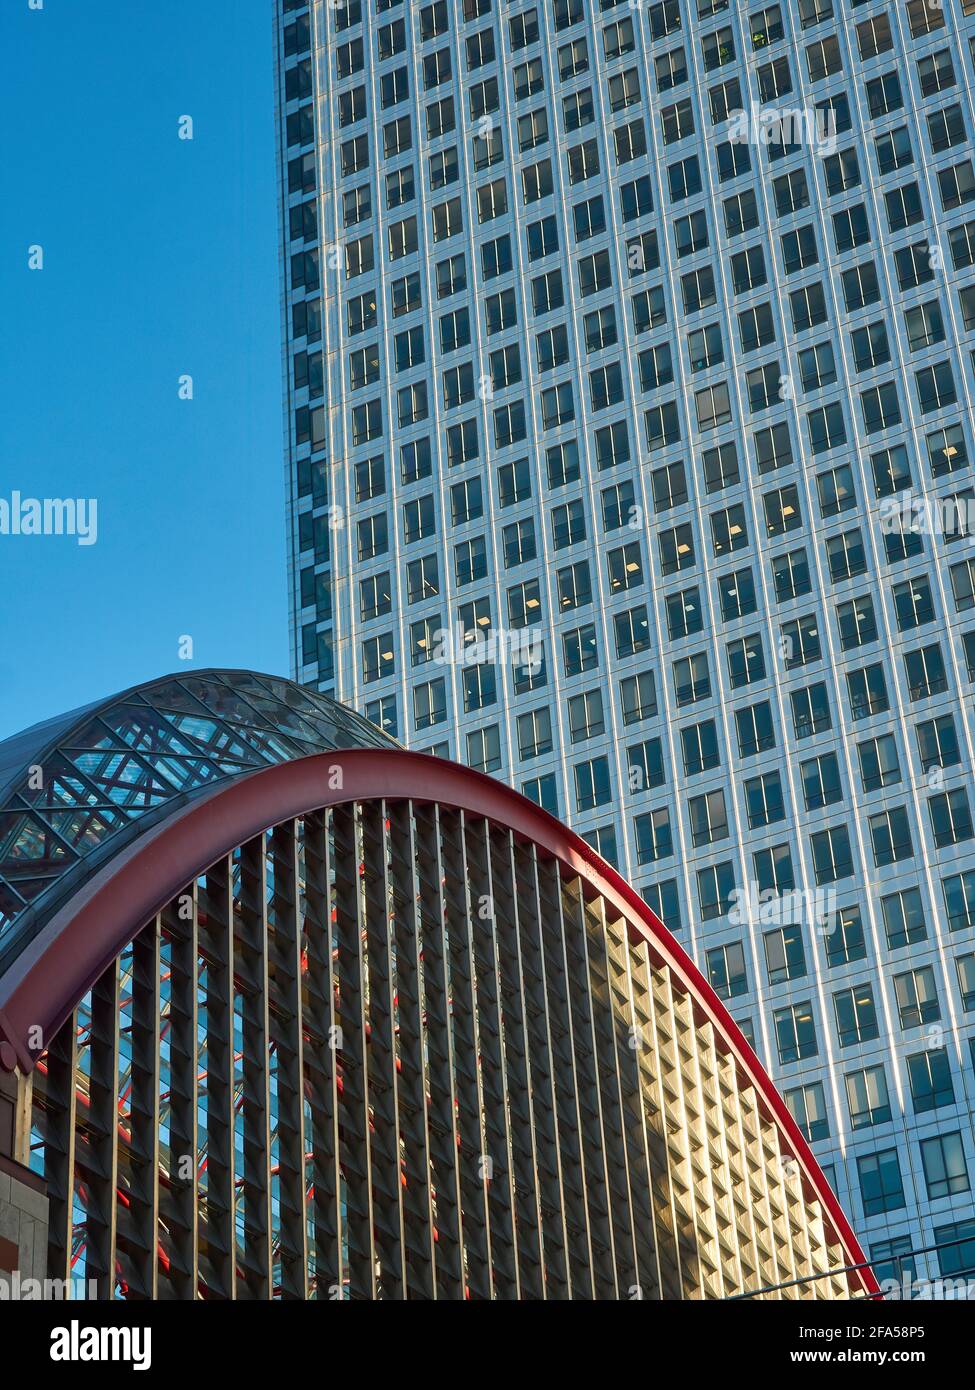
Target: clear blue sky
160, 258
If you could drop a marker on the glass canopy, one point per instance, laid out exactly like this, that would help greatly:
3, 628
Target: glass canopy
75, 789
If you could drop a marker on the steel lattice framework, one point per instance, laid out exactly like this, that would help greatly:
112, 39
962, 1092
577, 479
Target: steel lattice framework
364, 1024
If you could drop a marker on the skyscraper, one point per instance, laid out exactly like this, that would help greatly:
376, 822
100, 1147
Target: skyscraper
628, 347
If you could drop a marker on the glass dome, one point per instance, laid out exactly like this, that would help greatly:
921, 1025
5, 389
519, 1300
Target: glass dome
76, 789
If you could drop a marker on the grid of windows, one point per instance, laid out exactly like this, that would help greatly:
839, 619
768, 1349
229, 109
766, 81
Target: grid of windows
579, 356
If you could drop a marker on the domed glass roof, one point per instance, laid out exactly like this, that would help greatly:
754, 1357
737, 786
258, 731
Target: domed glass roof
76, 789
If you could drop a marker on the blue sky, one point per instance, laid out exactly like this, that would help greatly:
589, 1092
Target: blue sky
160, 259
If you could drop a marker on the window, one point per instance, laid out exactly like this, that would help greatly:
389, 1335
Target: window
528, 80
737, 595
937, 743
890, 835
951, 818
821, 785
917, 997
586, 716
790, 574
378, 659
959, 896
523, 29
535, 733
856, 1016
713, 405
924, 17
845, 943
808, 307
784, 955
807, 1105
756, 732
810, 710
699, 745
945, 1170
654, 837
484, 749
543, 791
470, 560
592, 782
799, 642
857, 622
632, 632
429, 704
645, 766
773, 448
966, 981
708, 818
720, 467
867, 1097
638, 697
746, 661
903, 915
773, 870
782, 510
726, 970
740, 213
715, 889
625, 567
930, 1077
451, 277
935, 387
832, 856
881, 1187
946, 128
957, 1255
925, 671
795, 1032
375, 599
524, 603
479, 687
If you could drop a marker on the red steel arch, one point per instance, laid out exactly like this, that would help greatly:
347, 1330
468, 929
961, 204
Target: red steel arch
58, 967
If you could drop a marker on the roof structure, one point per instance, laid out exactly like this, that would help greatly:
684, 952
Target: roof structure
77, 789
207, 876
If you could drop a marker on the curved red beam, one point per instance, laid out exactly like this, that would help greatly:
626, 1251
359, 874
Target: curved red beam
58, 967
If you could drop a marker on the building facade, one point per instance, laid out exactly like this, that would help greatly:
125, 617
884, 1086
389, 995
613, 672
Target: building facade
287, 1011
630, 346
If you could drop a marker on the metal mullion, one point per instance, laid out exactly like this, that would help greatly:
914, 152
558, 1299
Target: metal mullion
216, 939
729, 1134
463, 1016
180, 1202
103, 1119
287, 1035
608, 1025
386, 1167
747, 1239
676, 1118
655, 1123
320, 1060
518, 1078
251, 929
541, 1073
629, 1058
493, 1071
580, 1245
144, 1113
354, 1105
60, 1091
442, 1104
595, 1148
418, 1218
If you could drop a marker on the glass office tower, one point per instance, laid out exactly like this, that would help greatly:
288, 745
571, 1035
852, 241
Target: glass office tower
629, 346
